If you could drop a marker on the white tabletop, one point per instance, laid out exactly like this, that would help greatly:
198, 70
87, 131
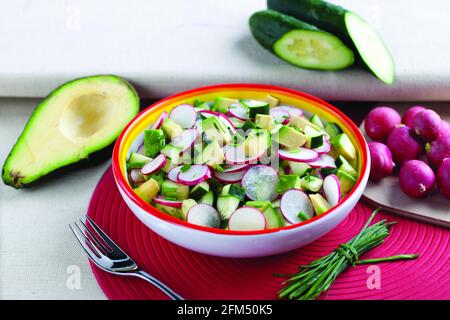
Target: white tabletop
168, 46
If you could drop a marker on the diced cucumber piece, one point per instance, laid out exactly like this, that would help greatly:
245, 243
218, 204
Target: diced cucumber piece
215, 130
327, 171
346, 181
261, 205
276, 203
271, 100
319, 203
212, 155
208, 198
172, 155
317, 141
148, 190
255, 107
225, 190
226, 205
281, 171
313, 137
344, 146
299, 168
257, 142
171, 129
344, 165
311, 183
222, 104
137, 161
264, 121
280, 216
237, 191
332, 129
174, 212
290, 181
199, 190
201, 105
272, 219
174, 190
289, 137
154, 140
315, 119
248, 125
185, 206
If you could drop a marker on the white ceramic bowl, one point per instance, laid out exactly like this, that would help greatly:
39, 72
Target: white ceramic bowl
228, 243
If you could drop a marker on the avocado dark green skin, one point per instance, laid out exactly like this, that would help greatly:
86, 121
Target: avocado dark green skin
92, 159
269, 26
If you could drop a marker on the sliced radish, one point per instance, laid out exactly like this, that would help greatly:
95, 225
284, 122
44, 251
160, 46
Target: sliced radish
172, 175
236, 155
136, 176
203, 214
332, 189
298, 155
234, 167
154, 165
223, 118
247, 218
194, 175
238, 110
141, 150
185, 140
159, 122
293, 202
184, 115
325, 148
324, 161
229, 177
168, 202
281, 116
260, 183
290, 109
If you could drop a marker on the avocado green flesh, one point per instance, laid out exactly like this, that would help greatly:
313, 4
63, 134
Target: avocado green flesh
78, 119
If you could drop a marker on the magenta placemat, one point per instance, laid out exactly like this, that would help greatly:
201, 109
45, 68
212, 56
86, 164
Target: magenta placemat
198, 276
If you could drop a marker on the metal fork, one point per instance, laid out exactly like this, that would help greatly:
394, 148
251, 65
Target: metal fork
109, 257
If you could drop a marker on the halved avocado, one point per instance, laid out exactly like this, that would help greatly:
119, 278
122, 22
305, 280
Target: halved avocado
77, 123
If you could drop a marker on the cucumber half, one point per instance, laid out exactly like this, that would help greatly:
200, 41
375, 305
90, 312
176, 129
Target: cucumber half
299, 43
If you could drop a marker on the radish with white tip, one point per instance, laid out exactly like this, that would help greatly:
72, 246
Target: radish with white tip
332, 189
280, 116
159, 122
185, 140
223, 118
203, 214
247, 219
298, 155
324, 148
324, 161
229, 177
295, 202
236, 155
136, 176
291, 110
172, 175
238, 110
234, 168
154, 165
168, 202
184, 115
196, 174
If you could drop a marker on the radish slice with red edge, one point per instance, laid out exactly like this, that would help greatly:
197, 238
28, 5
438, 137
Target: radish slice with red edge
172, 175
298, 155
185, 140
234, 167
280, 116
332, 189
154, 165
290, 109
236, 155
168, 202
184, 115
159, 122
136, 176
141, 150
260, 183
324, 161
203, 214
229, 177
293, 202
223, 118
194, 175
324, 148
247, 219
238, 110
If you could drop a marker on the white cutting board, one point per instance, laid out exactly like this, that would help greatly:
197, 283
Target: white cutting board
168, 46
387, 193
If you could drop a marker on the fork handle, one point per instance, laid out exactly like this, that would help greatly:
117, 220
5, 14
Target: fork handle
161, 286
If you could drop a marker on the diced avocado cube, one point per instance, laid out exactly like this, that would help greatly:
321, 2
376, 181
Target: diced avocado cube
157, 176
171, 129
186, 205
264, 121
332, 129
301, 123
344, 146
201, 105
214, 130
208, 198
346, 181
174, 212
174, 190
319, 203
255, 107
289, 181
257, 142
222, 104
154, 140
137, 161
212, 155
148, 190
271, 100
172, 155
289, 137
311, 183
316, 121
344, 165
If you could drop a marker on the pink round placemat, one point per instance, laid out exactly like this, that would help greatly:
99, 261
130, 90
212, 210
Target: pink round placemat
198, 276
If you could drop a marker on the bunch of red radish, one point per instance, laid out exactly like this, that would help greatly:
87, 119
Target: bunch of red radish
417, 144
